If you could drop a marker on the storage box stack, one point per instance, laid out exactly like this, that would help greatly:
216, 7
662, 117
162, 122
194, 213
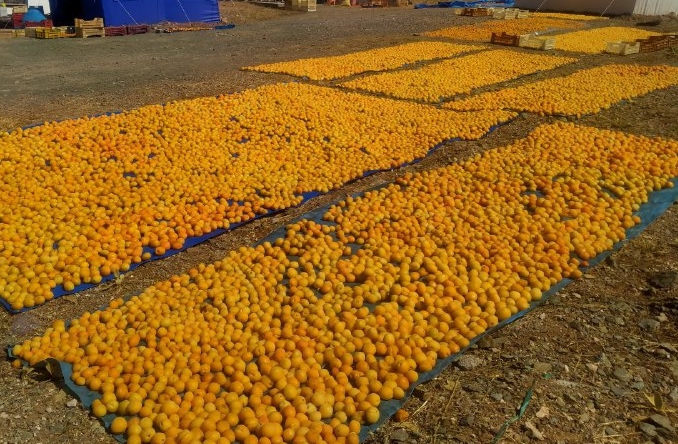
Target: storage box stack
90, 28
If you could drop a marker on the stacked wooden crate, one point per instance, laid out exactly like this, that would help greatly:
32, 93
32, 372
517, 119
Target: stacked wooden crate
90, 28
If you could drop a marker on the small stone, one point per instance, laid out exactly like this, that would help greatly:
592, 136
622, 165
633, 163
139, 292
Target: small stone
592, 367
662, 317
533, 432
661, 421
648, 429
618, 391
543, 412
49, 410
466, 421
584, 418
560, 402
486, 342
619, 321
622, 374
497, 396
674, 394
604, 361
474, 388
469, 362
648, 324
664, 279
609, 431
400, 435
639, 385
542, 367
4, 415
72, 403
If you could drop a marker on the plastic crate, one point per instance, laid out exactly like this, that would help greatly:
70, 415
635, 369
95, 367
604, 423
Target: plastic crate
505, 39
138, 29
94, 23
622, 48
112, 31
536, 42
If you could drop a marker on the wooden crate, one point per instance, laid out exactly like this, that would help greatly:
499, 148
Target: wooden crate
476, 12
20, 9
654, 43
505, 39
537, 42
90, 32
94, 23
522, 13
622, 48
31, 32
7, 33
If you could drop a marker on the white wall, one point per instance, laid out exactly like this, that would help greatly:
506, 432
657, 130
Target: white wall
656, 7
43, 3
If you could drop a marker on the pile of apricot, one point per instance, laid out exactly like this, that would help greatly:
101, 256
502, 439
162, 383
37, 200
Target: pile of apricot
302, 339
440, 80
576, 94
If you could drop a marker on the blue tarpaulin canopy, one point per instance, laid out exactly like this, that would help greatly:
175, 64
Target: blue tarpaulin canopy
33, 15
133, 12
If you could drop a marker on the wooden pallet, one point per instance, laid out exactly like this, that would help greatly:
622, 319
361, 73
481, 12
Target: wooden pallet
90, 32
622, 48
537, 42
505, 39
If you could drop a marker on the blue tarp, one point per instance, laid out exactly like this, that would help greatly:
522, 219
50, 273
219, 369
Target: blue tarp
478, 4
133, 12
34, 15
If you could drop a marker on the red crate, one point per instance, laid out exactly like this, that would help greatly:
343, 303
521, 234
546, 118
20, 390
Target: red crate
41, 24
115, 30
138, 29
18, 20
505, 39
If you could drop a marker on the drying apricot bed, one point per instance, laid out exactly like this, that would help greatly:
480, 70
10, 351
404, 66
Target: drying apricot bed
83, 199
595, 41
440, 80
381, 59
560, 15
576, 94
482, 32
302, 338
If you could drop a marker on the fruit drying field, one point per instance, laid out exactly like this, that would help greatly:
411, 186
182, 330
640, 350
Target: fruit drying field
318, 321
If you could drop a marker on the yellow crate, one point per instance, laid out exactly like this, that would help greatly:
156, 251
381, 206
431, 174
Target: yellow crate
90, 32
48, 33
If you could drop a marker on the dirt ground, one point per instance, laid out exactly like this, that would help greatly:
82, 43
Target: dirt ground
601, 356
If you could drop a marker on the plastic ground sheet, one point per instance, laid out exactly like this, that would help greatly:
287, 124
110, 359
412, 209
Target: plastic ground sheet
576, 94
440, 80
322, 330
83, 200
482, 32
381, 59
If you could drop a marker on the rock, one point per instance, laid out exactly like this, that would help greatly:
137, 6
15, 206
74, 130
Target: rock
674, 394
662, 421
400, 435
648, 324
533, 432
618, 391
648, 429
609, 431
468, 362
662, 317
486, 342
72, 403
592, 367
543, 412
497, 396
466, 421
673, 366
560, 402
619, 321
640, 385
584, 418
542, 367
604, 361
474, 388
622, 374
668, 347
663, 279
